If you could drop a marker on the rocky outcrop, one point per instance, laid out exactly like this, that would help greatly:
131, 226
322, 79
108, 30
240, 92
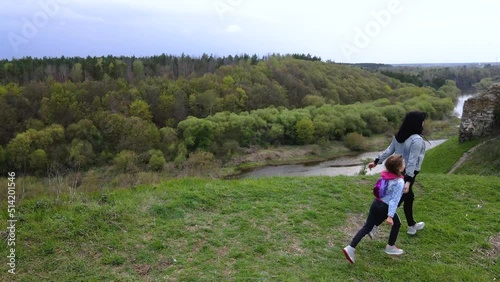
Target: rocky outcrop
480, 115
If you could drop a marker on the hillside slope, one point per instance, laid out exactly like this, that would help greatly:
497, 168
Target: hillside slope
483, 159
475, 157
274, 229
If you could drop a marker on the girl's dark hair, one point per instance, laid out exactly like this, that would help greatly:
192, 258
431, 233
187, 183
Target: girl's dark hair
412, 124
393, 163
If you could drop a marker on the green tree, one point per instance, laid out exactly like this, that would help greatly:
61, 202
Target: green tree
168, 142
138, 69
10, 115
156, 161
313, 100
197, 133
375, 120
305, 131
38, 160
19, 149
126, 161
394, 114
140, 109
112, 126
61, 106
77, 73
85, 130
164, 111
139, 136
204, 104
81, 153
3, 159
276, 133
181, 105
118, 101
119, 69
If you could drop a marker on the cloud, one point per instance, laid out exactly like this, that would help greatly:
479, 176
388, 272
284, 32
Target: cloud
70, 14
232, 28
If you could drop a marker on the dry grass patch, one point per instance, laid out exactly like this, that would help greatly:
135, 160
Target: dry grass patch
495, 247
353, 224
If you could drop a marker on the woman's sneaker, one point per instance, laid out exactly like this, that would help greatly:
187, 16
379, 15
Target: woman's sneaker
393, 250
412, 230
373, 233
349, 253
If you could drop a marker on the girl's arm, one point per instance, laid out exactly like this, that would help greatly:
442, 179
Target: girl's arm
394, 196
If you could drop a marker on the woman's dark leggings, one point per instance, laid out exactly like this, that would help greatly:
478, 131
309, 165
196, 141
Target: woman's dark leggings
377, 215
408, 203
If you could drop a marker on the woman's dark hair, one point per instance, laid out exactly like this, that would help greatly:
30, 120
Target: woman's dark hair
393, 163
412, 124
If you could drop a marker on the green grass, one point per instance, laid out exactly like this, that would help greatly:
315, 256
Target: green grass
483, 161
269, 229
441, 159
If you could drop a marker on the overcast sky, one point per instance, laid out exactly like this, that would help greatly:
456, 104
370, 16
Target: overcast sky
374, 31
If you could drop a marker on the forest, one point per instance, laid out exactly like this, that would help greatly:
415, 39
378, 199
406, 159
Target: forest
141, 113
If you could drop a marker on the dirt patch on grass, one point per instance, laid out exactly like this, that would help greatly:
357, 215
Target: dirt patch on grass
495, 243
353, 224
356, 221
490, 253
142, 269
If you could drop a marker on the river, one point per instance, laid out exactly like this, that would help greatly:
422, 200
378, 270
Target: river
459, 106
339, 166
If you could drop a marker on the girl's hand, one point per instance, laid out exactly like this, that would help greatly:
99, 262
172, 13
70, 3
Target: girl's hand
389, 220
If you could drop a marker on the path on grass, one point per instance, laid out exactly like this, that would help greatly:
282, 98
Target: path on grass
466, 155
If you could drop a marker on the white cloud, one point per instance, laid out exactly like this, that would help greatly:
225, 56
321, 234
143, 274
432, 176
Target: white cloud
462, 33
232, 28
70, 14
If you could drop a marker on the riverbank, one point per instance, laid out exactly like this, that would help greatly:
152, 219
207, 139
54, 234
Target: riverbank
306, 155
343, 165
297, 160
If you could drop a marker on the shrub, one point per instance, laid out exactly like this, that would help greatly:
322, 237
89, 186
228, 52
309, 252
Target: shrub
229, 148
200, 161
156, 161
126, 161
305, 131
354, 141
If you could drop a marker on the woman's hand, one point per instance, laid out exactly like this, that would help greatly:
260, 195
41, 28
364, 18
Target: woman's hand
407, 187
372, 165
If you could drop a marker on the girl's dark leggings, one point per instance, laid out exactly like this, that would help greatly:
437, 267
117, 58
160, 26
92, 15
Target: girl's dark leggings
376, 216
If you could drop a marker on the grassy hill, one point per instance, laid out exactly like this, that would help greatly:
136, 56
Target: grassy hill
276, 229
483, 160
269, 229
475, 157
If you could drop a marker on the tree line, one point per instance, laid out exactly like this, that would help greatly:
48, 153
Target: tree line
467, 78
150, 120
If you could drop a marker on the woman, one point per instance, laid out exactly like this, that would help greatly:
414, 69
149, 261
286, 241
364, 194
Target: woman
409, 143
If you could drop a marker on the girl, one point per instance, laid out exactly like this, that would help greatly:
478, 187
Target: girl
384, 208
409, 143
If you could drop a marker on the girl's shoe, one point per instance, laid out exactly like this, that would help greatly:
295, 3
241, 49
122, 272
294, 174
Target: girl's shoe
349, 253
412, 230
393, 250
